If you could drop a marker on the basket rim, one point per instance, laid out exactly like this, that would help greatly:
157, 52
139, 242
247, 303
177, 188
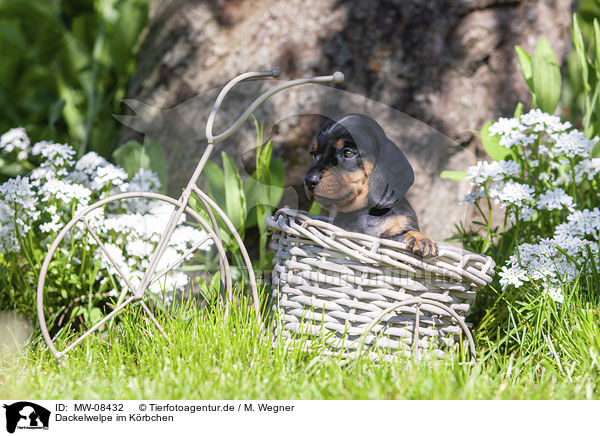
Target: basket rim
474, 267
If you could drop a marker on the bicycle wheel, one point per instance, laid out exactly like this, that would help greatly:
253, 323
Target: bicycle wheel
108, 247
419, 307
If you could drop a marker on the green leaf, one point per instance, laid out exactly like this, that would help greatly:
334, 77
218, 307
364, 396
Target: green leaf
453, 175
12, 37
597, 48
250, 191
315, 209
235, 200
94, 315
492, 144
264, 162
55, 111
546, 77
596, 151
526, 67
518, 110
580, 51
277, 182
132, 156
73, 117
11, 169
214, 177
157, 161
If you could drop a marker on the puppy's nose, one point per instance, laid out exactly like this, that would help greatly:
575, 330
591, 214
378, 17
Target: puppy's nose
311, 180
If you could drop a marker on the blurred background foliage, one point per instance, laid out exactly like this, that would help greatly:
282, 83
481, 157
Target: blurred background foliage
66, 65
573, 93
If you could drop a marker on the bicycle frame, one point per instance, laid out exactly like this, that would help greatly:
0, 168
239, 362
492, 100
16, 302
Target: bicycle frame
208, 203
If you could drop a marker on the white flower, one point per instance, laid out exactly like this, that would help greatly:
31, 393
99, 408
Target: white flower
89, 162
550, 146
46, 200
41, 174
144, 181
517, 138
86, 169
495, 171
139, 248
573, 144
546, 261
17, 212
508, 167
555, 293
108, 175
580, 223
478, 173
556, 199
185, 237
525, 214
587, 167
56, 155
8, 235
540, 121
473, 196
511, 193
512, 276
65, 191
169, 283
19, 195
116, 254
511, 132
15, 139
504, 126
55, 224
546, 248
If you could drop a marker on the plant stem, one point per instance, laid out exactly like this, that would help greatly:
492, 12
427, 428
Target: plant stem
91, 106
488, 220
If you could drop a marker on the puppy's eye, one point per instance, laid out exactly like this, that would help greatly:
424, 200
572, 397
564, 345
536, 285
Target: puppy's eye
313, 155
348, 153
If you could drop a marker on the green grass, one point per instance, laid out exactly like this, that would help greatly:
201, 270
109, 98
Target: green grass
216, 357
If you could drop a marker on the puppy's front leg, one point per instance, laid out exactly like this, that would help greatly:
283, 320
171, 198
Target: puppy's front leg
395, 226
420, 244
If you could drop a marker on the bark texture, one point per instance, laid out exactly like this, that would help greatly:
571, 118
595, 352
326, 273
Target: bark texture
430, 71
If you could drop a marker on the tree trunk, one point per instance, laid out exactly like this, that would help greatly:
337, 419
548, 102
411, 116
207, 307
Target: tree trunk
446, 64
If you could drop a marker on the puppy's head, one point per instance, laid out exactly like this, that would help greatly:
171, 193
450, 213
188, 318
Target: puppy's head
355, 166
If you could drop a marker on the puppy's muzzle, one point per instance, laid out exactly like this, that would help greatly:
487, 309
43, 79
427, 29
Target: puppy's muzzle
311, 181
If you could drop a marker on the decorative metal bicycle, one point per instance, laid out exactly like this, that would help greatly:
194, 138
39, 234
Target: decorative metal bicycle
135, 294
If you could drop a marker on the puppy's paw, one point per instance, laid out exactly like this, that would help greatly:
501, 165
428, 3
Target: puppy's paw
420, 244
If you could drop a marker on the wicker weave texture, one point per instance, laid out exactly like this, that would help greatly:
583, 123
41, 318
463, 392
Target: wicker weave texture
335, 283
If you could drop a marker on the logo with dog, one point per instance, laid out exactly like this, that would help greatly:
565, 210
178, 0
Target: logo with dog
26, 415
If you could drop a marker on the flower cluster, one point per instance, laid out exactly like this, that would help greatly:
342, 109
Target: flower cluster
15, 142
547, 153
546, 262
550, 183
41, 204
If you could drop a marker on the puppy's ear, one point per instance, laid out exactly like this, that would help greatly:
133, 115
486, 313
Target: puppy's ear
392, 175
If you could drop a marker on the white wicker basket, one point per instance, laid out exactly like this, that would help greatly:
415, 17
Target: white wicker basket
370, 294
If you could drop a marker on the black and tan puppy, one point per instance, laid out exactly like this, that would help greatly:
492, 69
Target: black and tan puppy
361, 177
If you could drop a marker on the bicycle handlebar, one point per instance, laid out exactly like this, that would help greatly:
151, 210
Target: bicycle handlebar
336, 77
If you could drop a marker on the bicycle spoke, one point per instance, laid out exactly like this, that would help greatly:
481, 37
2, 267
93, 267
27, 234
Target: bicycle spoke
154, 320
115, 264
97, 325
107, 258
179, 260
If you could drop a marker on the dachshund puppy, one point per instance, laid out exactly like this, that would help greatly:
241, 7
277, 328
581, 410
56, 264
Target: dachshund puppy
361, 177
